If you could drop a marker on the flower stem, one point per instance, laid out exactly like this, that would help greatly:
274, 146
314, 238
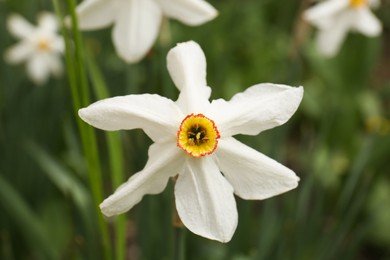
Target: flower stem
114, 146
179, 251
179, 244
80, 97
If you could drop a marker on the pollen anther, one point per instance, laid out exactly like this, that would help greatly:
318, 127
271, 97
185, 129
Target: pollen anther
198, 135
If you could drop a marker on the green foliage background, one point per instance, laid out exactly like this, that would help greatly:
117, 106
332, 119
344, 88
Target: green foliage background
338, 142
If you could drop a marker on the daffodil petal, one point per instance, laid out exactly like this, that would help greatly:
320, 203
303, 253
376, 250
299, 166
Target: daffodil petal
96, 14
258, 108
58, 45
136, 28
187, 66
190, 12
164, 162
158, 116
374, 3
322, 14
205, 200
252, 174
47, 22
367, 23
19, 52
19, 27
329, 40
38, 68
55, 65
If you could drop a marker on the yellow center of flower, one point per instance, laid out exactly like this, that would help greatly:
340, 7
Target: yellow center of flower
357, 3
198, 135
43, 45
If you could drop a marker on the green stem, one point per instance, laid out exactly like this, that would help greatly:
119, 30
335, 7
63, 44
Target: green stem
80, 97
114, 144
116, 159
179, 244
179, 236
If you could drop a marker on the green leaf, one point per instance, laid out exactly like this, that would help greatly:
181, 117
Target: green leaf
61, 177
30, 225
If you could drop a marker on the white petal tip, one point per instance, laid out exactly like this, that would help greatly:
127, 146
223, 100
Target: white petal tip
190, 47
223, 239
210, 15
196, 13
128, 54
106, 209
82, 114
14, 18
86, 116
375, 31
130, 58
18, 26
207, 17
111, 207
301, 90
308, 16
292, 183
188, 44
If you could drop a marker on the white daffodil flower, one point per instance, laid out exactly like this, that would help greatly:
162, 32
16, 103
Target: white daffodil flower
334, 18
40, 47
137, 22
193, 140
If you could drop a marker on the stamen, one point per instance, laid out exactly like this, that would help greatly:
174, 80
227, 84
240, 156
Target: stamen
198, 135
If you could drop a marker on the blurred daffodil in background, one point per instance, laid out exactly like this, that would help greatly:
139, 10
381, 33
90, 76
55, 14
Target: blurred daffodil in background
40, 47
335, 18
136, 23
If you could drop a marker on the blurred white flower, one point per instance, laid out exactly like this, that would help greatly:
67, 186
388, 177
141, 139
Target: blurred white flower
40, 47
193, 139
137, 22
334, 18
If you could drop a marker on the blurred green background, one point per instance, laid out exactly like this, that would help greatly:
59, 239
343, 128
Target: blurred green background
338, 142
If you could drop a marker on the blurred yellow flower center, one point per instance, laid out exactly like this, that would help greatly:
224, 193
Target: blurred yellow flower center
198, 135
357, 3
43, 45
378, 125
